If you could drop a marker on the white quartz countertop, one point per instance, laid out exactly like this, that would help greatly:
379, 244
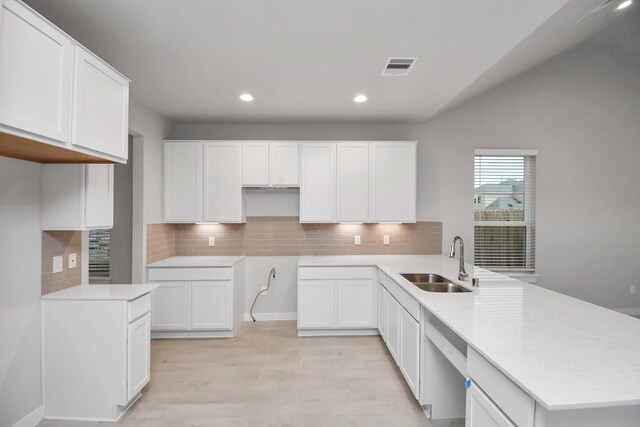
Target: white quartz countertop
197, 261
101, 292
564, 352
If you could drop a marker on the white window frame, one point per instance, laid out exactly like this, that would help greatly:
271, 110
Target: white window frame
526, 274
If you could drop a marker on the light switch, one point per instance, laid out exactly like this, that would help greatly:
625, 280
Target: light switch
385, 239
57, 264
72, 260
356, 240
212, 241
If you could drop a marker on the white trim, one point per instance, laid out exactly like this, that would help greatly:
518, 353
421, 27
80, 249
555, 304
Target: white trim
506, 151
32, 419
632, 311
262, 317
191, 334
336, 332
121, 411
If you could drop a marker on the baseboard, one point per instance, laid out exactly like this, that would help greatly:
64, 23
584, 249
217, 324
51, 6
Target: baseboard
633, 311
336, 332
32, 419
263, 317
190, 334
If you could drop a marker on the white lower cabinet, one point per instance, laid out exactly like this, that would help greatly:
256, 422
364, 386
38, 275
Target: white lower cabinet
482, 412
197, 302
336, 300
393, 327
96, 355
382, 312
138, 351
410, 351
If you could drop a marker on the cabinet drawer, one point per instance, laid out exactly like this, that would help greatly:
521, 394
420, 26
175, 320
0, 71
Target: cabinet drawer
198, 273
335, 273
411, 305
139, 307
511, 399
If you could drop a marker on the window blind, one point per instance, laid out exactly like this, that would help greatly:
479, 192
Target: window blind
504, 212
99, 252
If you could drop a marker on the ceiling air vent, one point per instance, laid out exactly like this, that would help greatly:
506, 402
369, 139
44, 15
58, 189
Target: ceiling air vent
398, 66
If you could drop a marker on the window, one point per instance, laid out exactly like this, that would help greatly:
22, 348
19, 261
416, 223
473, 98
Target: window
504, 209
99, 253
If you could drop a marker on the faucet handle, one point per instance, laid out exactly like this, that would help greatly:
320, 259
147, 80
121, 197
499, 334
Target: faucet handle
475, 282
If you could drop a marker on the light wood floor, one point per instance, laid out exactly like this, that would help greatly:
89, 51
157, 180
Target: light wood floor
267, 376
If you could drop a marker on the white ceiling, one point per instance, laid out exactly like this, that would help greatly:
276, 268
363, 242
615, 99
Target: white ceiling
305, 60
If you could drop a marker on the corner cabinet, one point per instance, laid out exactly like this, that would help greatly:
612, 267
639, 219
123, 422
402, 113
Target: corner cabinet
197, 302
337, 301
56, 92
77, 197
87, 342
392, 181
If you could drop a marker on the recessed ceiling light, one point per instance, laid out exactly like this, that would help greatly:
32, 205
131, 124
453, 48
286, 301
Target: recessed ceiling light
624, 4
360, 98
246, 97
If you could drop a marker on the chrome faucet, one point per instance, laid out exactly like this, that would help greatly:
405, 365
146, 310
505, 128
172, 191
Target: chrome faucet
462, 274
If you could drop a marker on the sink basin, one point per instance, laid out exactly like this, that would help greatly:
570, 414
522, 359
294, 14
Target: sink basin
433, 283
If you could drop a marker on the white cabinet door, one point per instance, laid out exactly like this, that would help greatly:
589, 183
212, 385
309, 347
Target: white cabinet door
138, 355
170, 306
36, 70
482, 412
410, 350
284, 159
382, 311
99, 196
101, 106
255, 164
182, 181
222, 200
316, 304
356, 307
392, 182
318, 185
393, 327
211, 305
352, 181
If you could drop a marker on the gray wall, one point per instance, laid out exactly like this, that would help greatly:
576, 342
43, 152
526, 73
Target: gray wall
20, 264
121, 233
581, 111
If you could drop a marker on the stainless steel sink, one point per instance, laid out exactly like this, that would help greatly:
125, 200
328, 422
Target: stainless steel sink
433, 283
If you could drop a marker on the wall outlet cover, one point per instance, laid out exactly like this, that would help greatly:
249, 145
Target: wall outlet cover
212, 241
385, 239
632, 289
72, 261
357, 240
57, 264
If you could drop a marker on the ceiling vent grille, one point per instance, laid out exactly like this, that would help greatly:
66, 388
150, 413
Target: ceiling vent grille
398, 67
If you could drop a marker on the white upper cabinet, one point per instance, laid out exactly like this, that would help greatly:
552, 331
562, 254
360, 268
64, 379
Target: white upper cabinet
255, 162
77, 197
352, 182
54, 91
222, 188
392, 182
101, 106
318, 184
36, 70
182, 181
270, 164
283, 164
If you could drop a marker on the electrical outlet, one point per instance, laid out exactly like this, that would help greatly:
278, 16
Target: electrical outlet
72, 261
385, 239
356, 240
632, 289
212, 241
57, 264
